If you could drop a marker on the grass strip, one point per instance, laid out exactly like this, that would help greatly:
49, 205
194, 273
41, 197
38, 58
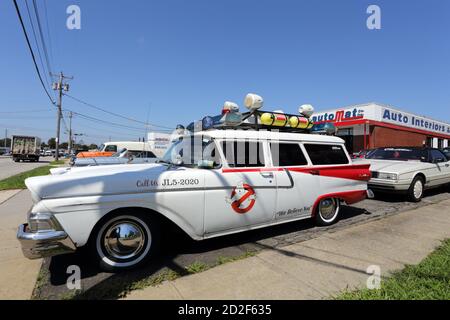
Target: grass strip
18, 181
429, 280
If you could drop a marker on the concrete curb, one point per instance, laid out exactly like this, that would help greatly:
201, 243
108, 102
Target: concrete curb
5, 195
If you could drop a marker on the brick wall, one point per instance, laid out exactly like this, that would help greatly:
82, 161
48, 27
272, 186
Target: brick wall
386, 137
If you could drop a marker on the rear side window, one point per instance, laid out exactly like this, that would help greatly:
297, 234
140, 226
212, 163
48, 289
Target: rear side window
111, 148
287, 154
243, 153
323, 154
437, 156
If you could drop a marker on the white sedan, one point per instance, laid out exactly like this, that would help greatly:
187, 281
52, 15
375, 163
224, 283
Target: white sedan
408, 170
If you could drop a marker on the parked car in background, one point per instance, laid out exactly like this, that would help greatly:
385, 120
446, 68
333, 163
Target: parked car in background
25, 148
362, 154
446, 151
408, 170
5, 151
109, 148
49, 153
121, 157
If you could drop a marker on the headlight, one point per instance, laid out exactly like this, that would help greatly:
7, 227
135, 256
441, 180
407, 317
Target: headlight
42, 222
387, 176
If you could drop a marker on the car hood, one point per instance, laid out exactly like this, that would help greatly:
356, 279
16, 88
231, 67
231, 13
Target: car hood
391, 166
91, 181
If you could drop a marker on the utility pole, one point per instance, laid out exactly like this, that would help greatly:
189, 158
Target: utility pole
70, 132
59, 86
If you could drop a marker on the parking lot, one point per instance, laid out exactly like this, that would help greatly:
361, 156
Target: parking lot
10, 168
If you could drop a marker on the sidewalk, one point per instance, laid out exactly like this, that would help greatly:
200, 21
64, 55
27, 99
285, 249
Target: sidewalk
17, 274
321, 267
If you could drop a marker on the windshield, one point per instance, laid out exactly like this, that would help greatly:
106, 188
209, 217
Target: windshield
447, 152
190, 151
118, 153
102, 147
401, 154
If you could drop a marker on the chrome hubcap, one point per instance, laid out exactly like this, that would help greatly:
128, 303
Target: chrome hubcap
124, 240
327, 208
418, 189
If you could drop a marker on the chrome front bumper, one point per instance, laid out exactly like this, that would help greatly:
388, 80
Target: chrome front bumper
42, 244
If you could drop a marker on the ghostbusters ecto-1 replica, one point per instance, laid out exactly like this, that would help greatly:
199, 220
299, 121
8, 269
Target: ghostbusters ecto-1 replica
222, 175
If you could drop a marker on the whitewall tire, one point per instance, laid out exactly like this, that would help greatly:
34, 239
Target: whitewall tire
124, 241
327, 211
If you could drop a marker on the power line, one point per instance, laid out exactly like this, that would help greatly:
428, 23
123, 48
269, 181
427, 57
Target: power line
86, 117
115, 114
26, 111
44, 46
48, 30
36, 41
31, 50
105, 123
117, 133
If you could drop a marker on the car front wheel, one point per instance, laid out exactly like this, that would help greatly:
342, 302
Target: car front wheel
415, 192
124, 242
327, 211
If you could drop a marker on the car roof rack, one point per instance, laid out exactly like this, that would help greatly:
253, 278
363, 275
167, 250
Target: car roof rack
257, 119
251, 121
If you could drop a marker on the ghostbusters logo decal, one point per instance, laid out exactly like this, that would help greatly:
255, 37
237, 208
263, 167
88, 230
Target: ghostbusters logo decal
242, 198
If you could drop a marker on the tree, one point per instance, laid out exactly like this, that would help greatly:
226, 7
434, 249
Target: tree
52, 143
64, 145
44, 145
93, 146
8, 142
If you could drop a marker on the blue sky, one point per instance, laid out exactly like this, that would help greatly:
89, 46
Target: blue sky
173, 61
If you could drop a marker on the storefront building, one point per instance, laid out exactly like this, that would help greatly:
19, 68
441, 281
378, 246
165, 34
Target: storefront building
374, 125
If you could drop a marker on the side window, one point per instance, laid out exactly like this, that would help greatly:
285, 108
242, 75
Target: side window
323, 154
111, 148
287, 154
243, 153
437, 156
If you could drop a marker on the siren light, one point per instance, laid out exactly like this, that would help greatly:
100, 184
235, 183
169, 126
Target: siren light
229, 106
306, 110
253, 102
207, 123
180, 129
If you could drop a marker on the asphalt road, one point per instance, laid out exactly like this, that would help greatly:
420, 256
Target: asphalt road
178, 251
10, 168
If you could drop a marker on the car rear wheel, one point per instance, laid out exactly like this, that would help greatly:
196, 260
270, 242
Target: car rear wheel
327, 211
415, 192
124, 242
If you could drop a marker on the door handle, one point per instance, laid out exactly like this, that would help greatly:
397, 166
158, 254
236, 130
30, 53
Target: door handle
268, 175
314, 172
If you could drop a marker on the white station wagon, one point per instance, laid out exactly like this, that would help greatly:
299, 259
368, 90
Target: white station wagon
213, 182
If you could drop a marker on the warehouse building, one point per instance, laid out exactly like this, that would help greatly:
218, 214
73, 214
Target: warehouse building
374, 125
